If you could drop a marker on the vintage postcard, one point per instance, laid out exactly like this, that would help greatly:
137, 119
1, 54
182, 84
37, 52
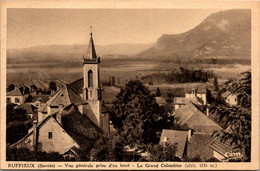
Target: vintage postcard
140, 85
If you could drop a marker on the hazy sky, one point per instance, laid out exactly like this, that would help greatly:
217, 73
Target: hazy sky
32, 27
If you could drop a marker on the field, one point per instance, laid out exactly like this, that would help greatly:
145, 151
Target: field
124, 70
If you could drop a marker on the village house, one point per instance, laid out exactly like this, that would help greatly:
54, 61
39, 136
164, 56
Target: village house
198, 127
16, 96
230, 98
74, 116
197, 96
65, 132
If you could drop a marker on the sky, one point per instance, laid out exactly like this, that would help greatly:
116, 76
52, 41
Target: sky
34, 27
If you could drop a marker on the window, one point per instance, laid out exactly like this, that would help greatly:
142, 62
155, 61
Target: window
90, 78
8, 99
50, 135
17, 100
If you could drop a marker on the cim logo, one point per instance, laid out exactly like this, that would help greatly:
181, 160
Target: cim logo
231, 154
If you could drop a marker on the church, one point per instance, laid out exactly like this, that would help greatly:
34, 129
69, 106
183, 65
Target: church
74, 117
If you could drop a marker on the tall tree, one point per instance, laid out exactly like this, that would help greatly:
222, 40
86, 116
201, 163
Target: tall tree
137, 116
158, 92
237, 119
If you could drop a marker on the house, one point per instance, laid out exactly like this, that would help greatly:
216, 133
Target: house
230, 98
190, 117
15, 96
199, 92
180, 138
160, 100
64, 131
224, 150
197, 96
181, 101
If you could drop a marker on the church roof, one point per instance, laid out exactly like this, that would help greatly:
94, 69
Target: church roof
80, 127
91, 52
190, 117
14, 92
65, 96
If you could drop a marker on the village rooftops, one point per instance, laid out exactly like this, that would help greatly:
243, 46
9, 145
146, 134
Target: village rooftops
184, 100
175, 137
14, 92
65, 96
191, 117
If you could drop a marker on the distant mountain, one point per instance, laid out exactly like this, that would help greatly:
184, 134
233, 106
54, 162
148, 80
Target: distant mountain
222, 34
75, 52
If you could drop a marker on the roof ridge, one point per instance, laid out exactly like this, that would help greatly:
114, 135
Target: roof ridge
55, 97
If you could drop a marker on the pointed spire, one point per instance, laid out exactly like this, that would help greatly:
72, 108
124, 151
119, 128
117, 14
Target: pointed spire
91, 52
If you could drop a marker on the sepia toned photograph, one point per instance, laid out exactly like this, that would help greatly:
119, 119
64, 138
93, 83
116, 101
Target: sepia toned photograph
130, 85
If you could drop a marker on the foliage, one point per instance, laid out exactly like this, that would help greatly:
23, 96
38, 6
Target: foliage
24, 154
137, 116
10, 87
15, 114
53, 86
162, 153
107, 149
184, 75
237, 119
215, 83
158, 92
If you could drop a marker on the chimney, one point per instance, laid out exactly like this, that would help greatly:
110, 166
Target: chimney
189, 134
207, 110
35, 134
58, 116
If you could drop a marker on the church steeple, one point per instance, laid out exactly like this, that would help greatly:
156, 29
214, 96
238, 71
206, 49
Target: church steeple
91, 52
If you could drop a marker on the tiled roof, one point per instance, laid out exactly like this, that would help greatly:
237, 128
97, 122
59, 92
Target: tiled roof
221, 147
14, 92
174, 136
190, 117
199, 145
80, 127
184, 101
65, 96
77, 86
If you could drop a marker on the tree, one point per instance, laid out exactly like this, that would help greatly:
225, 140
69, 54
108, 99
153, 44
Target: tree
162, 153
10, 87
158, 92
107, 149
137, 116
216, 87
53, 85
237, 119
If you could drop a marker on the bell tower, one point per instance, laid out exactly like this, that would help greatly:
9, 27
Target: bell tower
91, 85
91, 72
